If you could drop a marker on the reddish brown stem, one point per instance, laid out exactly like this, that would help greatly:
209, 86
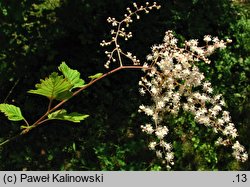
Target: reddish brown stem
41, 119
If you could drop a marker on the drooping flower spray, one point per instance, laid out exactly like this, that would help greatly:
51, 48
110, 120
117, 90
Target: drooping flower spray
172, 79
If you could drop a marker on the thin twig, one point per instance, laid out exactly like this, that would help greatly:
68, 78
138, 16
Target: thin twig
117, 46
10, 139
50, 103
11, 90
26, 122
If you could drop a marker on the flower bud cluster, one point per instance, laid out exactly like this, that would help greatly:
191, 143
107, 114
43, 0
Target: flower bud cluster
119, 31
175, 82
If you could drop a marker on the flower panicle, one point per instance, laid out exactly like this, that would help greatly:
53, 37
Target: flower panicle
119, 32
171, 82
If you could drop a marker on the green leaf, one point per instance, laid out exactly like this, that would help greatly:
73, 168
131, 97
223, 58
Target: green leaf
52, 86
64, 95
62, 115
96, 76
12, 112
73, 76
74, 146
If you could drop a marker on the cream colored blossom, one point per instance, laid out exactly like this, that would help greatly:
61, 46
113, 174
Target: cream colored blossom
172, 82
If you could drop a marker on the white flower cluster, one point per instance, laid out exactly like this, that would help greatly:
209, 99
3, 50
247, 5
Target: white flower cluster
162, 149
175, 82
119, 31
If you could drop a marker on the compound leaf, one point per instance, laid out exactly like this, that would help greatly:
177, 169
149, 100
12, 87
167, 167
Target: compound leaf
52, 86
12, 112
73, 76
62, 115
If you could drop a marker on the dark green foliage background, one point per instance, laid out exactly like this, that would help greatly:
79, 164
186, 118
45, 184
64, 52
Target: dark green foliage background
37, 35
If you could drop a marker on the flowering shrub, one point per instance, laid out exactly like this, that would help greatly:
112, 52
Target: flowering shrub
172, 79
175, 83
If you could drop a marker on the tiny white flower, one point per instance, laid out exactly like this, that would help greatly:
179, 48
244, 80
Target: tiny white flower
219, 141
220, 122
186, 107
152, 145
167, 146
244, 157
160, 104
210, 49
158, 154
215, 39
129, 55
154, 90
217, 108
142, 91
147, 128
229, 41
238, 147
178, 67
161, 132
148, 111
169, 156
207, 38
